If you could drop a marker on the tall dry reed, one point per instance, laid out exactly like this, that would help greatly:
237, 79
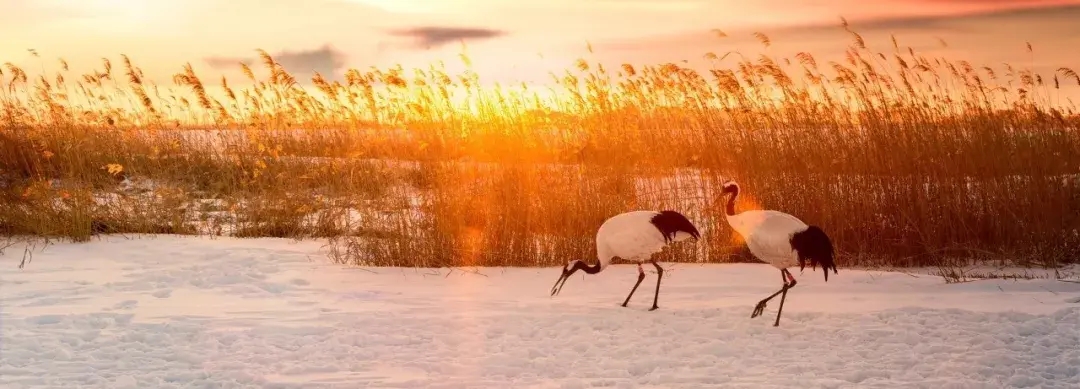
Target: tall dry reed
905, 159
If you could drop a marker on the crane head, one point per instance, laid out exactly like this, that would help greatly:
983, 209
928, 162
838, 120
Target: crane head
570, 269
729, 186
567, 270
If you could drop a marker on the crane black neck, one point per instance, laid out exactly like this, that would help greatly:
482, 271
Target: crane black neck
586, 268
730, 206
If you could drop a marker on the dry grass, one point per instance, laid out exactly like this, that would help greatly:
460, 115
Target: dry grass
904, 159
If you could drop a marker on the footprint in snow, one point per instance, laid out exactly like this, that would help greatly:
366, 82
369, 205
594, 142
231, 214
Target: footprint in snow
163, 294
300, 282
1075, 300
126, 304
273, 288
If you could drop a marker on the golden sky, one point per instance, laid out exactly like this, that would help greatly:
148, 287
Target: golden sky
506, 37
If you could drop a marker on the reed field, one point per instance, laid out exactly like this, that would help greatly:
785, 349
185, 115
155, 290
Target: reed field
904, 159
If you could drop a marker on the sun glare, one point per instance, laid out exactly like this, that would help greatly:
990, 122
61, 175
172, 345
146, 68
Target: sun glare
113, 7
116, 15
405, 6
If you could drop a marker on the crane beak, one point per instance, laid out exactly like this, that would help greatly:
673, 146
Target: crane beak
562, 280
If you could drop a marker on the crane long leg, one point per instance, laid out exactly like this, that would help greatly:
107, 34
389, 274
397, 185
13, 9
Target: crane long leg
760, 308
659, 275
780, 309
640, 276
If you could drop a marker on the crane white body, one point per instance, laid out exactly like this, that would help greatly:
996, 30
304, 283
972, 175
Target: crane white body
781, 240
768, 235
633, 236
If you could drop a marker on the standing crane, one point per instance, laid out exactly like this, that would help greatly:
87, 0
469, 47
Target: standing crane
781, 240
633, 236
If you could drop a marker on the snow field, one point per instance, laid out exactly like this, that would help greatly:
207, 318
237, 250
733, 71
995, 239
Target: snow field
192, 312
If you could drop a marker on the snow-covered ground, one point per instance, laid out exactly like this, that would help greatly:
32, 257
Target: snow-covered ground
168, 311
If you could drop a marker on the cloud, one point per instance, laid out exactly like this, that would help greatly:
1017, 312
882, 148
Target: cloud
977, 37
1025, 3
1035, 21
955, 22
434, 36
302, 64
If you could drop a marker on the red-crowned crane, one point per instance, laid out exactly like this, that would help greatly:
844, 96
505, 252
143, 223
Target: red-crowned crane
633, 236
781, 240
